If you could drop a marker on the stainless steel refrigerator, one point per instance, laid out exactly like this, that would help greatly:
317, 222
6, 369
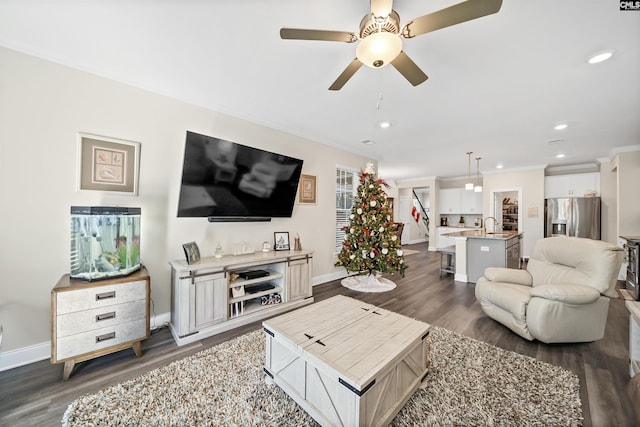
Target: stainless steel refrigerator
574, 216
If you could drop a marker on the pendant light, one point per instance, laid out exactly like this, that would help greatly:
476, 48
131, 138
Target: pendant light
469, 184
478, 187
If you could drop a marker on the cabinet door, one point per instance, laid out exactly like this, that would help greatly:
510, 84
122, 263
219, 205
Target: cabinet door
574, 185
299, 279
450, 201
585, 182
471, 202
208, 301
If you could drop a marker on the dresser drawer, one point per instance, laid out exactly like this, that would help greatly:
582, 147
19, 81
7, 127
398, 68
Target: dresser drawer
87, 342
99, 296
97, 318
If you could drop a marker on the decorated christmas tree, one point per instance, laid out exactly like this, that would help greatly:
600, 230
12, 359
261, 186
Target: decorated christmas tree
371, 243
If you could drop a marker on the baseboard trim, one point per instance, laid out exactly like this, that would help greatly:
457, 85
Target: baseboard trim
336, 275
42, 351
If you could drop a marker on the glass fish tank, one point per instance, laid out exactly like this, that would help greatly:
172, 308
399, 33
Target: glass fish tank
105, 242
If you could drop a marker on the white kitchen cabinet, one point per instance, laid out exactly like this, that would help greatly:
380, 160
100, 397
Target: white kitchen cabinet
471, 202
450, 201
573, 185
443, 241
460, 201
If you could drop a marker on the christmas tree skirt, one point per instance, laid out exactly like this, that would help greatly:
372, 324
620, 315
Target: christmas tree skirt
368, 283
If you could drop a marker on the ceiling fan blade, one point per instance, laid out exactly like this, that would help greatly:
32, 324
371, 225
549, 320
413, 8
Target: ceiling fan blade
409, 69
461, 12
381, 7
331, 36
346, 74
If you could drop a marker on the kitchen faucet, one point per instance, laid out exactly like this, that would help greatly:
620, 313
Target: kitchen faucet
495, 225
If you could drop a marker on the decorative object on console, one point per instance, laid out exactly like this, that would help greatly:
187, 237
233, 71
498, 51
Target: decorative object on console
371, 243
192, 252
105, 242
218, 254
281, 241
297, 246
108, 164
307, 190
266, 246
242, 248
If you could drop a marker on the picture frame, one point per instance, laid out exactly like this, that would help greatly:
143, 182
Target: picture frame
307, 190
191, 252
108, 164
281, 241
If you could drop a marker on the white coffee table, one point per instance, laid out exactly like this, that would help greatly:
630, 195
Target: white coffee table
347, 363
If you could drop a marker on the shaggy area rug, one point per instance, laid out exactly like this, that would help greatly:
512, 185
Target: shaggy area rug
469, 383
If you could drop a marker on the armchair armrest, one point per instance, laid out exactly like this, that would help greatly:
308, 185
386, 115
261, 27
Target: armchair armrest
508, 275
569, 294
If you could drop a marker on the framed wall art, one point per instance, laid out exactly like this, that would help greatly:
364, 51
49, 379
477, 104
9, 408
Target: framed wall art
307, 189
281, 241
108, 164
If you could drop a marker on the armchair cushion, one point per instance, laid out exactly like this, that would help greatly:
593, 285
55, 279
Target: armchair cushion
568, 294
508, 275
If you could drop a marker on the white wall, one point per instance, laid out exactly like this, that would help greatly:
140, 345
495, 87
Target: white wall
43, 106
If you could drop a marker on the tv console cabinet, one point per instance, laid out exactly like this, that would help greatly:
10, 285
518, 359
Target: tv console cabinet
214, 295
91, 319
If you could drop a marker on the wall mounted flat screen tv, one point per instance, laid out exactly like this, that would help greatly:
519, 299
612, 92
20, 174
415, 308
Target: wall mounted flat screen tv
227, 181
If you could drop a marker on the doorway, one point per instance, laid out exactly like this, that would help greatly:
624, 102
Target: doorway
506, 208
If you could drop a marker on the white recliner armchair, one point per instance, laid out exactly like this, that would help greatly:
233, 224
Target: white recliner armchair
562, 296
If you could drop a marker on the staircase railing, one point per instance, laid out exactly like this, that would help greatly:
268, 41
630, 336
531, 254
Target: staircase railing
423, 213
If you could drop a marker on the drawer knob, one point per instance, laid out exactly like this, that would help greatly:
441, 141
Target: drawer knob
105, 316
105, 295
105, 337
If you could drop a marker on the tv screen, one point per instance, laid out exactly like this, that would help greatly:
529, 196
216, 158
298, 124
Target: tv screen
226, 181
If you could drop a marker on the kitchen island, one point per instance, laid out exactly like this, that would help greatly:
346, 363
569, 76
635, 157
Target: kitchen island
479, 249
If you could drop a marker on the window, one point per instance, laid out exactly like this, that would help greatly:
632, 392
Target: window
346, 186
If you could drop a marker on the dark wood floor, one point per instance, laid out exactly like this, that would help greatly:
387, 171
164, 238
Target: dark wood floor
35, 395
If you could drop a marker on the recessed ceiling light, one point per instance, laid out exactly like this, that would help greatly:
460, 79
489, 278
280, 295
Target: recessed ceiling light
560, 126
600, 57
384, 125
559, 156
499, 166
367, 142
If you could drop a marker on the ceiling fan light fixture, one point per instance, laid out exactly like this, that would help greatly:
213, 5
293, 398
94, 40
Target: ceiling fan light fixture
379, 49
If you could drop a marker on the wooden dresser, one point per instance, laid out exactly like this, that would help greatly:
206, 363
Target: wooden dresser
91, 319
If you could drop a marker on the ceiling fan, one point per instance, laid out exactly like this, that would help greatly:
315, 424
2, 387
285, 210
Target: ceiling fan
380, 37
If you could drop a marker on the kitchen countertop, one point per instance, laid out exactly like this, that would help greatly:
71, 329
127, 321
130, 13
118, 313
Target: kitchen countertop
460, 226
483, 234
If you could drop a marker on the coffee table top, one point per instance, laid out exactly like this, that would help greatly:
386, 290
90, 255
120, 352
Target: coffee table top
352, 339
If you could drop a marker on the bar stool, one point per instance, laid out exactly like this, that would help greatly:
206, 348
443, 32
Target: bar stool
447, 260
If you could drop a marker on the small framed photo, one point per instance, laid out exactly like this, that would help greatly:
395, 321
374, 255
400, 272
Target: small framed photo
108, 164
307, 190
192, 252
281, 240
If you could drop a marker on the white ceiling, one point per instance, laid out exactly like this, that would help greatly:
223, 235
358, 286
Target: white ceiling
497, 85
